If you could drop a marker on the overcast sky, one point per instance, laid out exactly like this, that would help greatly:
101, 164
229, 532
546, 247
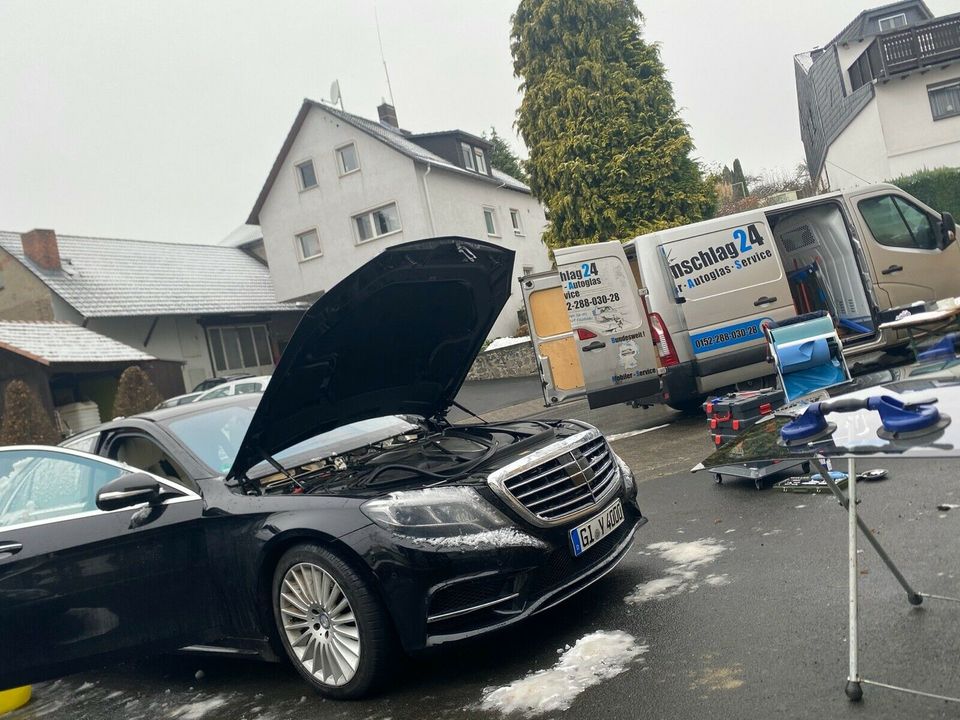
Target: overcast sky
160, 119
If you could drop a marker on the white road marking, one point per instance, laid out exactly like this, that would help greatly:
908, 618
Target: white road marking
632, 433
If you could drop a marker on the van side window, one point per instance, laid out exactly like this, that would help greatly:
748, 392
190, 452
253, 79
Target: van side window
896, 222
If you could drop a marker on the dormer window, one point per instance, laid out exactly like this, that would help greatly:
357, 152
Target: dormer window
892, 22
474, 158
467, 153
481, 160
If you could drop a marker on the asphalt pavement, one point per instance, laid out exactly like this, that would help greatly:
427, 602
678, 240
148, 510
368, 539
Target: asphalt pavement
731, 604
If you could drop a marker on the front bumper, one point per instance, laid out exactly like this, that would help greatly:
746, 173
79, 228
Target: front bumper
438, 594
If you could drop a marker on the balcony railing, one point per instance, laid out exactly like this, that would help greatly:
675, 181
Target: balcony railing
912, 48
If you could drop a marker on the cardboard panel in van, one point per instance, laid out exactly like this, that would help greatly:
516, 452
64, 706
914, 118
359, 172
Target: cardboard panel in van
728, 282
553, 340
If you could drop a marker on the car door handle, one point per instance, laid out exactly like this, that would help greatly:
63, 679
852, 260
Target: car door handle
763, 301
892, 269
9, 548
595, 345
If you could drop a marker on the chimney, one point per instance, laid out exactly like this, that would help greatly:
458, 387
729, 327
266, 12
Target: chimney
41, 247
388, 114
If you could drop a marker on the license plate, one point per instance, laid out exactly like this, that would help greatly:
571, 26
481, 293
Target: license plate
596, 528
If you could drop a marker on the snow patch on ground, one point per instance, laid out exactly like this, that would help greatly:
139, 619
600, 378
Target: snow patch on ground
594, 658
683, 573
506, 342
197, 710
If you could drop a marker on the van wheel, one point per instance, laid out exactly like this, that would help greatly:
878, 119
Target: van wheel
689, 406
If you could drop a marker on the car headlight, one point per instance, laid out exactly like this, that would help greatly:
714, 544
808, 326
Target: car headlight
435, 512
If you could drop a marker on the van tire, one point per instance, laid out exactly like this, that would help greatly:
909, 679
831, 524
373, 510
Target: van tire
689, 406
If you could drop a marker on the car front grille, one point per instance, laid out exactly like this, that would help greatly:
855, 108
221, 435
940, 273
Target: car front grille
562, 482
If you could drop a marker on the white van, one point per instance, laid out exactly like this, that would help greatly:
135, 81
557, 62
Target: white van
690, 301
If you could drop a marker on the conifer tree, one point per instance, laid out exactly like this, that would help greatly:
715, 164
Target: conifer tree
502, 157
24, 420
135, 393
609, 154
740, 190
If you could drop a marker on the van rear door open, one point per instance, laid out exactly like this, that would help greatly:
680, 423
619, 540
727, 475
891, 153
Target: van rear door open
609, 324
729, 282
553, 339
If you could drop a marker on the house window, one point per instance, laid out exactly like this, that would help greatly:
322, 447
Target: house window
490, 219
306, 175
308, 243
515, 221
347, 160
377, 223
944, 99
892, 22
481, 160
240, 347
467, 153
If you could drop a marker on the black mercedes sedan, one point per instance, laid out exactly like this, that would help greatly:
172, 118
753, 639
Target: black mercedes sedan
336, 520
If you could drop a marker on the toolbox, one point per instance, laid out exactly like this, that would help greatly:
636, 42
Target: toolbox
729, 415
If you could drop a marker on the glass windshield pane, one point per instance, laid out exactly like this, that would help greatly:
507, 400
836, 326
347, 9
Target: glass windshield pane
214, 436
46, 484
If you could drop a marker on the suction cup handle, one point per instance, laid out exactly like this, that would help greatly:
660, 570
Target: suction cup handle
844, 405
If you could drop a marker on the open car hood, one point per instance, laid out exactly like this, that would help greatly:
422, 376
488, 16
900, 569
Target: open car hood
395, 337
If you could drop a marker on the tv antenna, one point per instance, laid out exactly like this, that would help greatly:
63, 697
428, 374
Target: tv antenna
376, 19
335, 96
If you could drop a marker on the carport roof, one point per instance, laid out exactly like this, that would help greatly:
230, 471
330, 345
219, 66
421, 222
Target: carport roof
108, 277
61, 342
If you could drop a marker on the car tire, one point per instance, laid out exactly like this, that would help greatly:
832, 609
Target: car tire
333, 627
688, 406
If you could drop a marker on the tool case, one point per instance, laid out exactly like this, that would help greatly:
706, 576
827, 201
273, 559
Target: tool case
731, 414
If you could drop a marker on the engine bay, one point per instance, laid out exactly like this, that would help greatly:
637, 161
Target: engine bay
421, 454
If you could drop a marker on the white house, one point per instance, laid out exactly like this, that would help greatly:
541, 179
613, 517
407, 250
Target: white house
882, 99
344, 188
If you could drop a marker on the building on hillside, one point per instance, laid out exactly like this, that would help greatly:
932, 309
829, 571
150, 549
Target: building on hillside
343, 188
211, 309
882, 99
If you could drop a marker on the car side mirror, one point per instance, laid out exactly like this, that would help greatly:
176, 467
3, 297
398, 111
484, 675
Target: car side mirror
948, 230
129, 490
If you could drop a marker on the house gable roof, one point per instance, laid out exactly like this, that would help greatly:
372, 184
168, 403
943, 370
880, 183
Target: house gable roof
859, 27
105, 277
395, 138
48, 343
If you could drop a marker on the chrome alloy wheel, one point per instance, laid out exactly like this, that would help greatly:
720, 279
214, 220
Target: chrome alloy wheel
319, 624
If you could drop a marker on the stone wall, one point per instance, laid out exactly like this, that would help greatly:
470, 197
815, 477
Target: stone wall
512, 361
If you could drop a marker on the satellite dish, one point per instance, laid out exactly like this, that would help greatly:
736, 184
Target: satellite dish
335, 92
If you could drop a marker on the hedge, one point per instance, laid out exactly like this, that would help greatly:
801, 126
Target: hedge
940, 189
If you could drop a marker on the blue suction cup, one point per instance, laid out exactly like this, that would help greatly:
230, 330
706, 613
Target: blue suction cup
902, 421
807, 428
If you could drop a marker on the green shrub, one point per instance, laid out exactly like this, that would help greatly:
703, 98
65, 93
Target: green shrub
24, 420
135, 393
940, 188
